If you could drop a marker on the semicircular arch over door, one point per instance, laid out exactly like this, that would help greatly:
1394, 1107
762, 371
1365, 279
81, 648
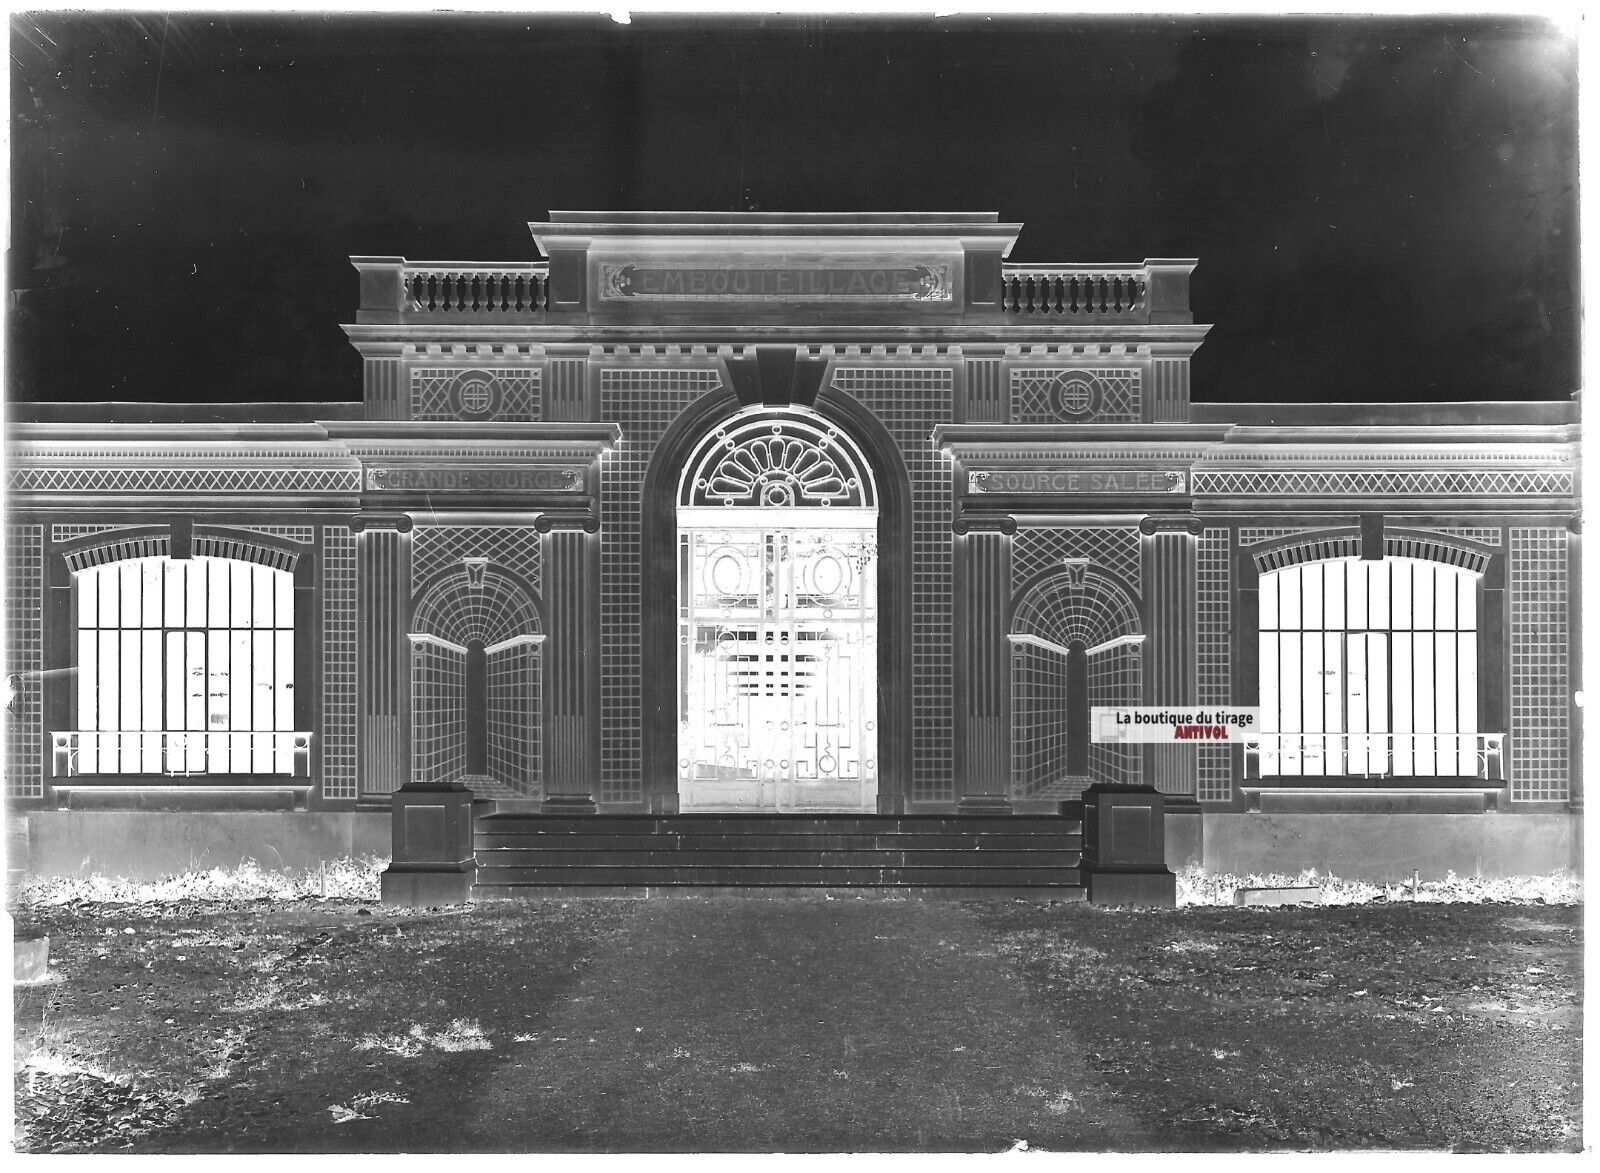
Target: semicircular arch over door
777, 560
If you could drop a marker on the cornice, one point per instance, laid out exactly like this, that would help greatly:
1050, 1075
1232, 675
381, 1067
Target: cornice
1175, 339
958, 438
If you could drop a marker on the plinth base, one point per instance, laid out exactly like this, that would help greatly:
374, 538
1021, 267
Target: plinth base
428, 885
1144, 889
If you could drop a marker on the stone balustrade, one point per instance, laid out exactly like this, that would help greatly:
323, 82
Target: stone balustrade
1074, 291
443, 289
1153, 292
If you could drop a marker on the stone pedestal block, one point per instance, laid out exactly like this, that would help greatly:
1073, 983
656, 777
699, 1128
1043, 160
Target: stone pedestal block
433, 860
1124, 847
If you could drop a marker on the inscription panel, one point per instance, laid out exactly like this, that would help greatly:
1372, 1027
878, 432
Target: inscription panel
1079, 482
791, 283
484, 479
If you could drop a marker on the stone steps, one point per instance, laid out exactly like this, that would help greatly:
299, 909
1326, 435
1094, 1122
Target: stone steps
529, 855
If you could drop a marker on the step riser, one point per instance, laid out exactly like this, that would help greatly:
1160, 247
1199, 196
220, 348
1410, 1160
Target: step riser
1051, 895
733, 824
492, 841
525, 856
841, 877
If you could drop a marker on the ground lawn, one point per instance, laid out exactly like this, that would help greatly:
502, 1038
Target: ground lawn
799, 1025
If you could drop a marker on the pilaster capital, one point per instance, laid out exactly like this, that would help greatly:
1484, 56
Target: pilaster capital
585, 521
1575, 524
984, 523
363, 522
1172, 523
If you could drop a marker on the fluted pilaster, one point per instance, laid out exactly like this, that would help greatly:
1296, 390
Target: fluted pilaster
1169, 557
571, 560
983, 663
383, 673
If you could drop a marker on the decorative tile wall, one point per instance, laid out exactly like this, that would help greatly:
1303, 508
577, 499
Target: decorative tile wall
1214, 780
338, 663
909, 401
25, 730
644, 401
1540, 683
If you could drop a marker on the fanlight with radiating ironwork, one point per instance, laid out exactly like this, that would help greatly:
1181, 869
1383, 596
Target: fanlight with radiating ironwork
776, 460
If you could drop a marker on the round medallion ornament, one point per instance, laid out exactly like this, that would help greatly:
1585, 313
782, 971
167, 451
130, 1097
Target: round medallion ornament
1074, 395
476, 395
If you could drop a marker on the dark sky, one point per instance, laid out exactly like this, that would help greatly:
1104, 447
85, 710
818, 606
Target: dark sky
1382, 210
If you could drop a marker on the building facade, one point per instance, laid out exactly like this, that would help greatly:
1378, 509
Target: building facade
823, 515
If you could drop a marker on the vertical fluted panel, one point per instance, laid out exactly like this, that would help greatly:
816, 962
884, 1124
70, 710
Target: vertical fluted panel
569, 390
1170, 379
381, 380
1170, 586
381, 574
986, 398
570, 658
985, 677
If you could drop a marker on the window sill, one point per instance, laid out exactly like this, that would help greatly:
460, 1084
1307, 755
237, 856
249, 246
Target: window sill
215, 792
1372, 796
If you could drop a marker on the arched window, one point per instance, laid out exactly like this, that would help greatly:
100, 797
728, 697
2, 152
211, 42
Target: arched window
1370, 668
185, 666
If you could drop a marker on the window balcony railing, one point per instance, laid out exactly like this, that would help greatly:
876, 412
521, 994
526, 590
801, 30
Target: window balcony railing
85, 752
1396, 756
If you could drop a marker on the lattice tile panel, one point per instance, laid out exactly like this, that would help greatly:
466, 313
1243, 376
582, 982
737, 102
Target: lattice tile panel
435, 548
493, 612
1111, 548
304, 534
1214, 679
438, 713
644, 401
1038, 719
68, 533
1252, 535
338, 663
1116, 678
25, 659
1540, 685
1399, 482
513, 698
185, 480
910, 401
1483, 536
456, 393
1095, 613
1049, 395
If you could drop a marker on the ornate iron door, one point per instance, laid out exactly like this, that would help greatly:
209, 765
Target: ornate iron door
778, 661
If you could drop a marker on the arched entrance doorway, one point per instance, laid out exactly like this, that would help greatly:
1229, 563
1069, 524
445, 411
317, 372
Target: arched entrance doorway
777, 618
